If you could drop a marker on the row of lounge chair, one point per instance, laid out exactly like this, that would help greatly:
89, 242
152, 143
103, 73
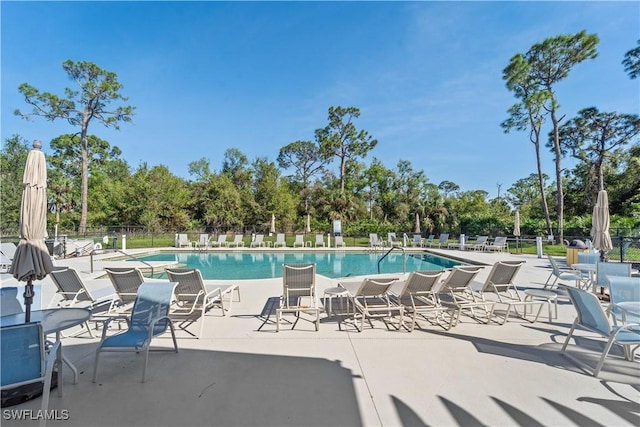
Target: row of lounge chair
427, 295
205, 241
480, 244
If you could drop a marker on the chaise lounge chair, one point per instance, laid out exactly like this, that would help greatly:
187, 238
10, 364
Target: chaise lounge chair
320, 240
371, 300
499, 244
500, 287
339, 242
280, 241
258, 242
222, 241
237, 241
193, 295
126, 282
182, 240
299, 241
418, 298
442, 241
203, 242
374, 241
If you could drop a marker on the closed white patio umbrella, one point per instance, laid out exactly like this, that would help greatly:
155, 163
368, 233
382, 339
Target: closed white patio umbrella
516, 227
32, 261
416, 227
272, 229
307, 227
600, 221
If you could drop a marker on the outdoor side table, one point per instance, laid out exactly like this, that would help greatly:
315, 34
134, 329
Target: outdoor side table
337, 291
548, 296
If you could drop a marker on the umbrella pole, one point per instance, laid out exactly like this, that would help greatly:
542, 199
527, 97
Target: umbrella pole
28, 300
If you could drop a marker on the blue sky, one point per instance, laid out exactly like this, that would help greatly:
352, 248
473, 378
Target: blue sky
207, 76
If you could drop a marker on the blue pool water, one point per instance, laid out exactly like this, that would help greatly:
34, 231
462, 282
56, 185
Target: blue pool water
261, 265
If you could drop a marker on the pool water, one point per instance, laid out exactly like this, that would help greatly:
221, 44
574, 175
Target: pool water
262, 265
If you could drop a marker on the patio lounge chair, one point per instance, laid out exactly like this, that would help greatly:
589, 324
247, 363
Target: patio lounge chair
126, 282
73, 291
299, 241
442, 241
149, 318
480, 244
456, 290
417, 241
280, 241
193, 295
8, 249
320, 240
392, 240
258, 242
372, 300
499, 285
374, 241
499, 244
203, 241
298, 293
560, 274
222, 241
592, 317
25, 361
182, 240
237, 241
418, 298
429, 240
339, 242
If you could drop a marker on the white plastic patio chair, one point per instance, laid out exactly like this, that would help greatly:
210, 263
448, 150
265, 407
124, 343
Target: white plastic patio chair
320, 240
280, 241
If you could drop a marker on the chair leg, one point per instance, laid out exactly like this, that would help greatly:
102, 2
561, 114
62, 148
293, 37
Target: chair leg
95, 366
604, 354
573, 327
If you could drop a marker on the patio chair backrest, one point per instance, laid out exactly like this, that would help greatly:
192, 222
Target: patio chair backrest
430, 238
319, 239
259, 239
498, 241
588, 257
126, 281
222, 238
604, 269
339, 241
203, 240
238, 238
190, 285
501, 276
299, 239
373, 238
460, 278
152, 301
69, 284
421, 282
444, 238
298, 280
624, 289
591, 315
23, 354
391, 237
481, 240
8, 249
9, 302
417, 238
280, 238
375, 288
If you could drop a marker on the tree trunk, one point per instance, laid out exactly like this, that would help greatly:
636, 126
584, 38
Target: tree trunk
82, 228
543, 194
558, 159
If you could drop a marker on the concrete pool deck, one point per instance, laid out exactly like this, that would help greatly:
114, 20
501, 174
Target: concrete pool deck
474, 374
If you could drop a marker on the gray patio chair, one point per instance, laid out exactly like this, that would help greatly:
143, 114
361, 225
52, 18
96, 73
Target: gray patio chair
126, 282
418, 299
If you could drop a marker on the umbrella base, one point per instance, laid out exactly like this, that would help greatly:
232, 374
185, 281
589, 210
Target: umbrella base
17, 395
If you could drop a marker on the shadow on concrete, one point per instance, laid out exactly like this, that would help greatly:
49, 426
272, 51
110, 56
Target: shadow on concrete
205, 388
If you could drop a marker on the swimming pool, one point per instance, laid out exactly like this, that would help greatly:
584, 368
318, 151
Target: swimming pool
262, 265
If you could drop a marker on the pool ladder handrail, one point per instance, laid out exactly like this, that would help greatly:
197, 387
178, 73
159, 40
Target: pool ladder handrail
128, 256
404, 258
